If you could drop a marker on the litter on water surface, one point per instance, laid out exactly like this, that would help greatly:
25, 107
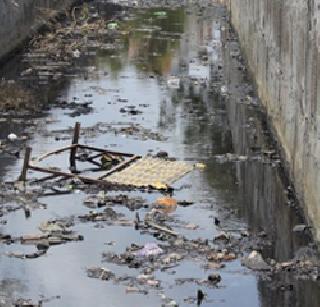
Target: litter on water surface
149, 171
123, 169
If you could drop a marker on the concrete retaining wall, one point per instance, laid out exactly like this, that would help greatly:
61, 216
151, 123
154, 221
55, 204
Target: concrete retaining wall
20, 18
281, 39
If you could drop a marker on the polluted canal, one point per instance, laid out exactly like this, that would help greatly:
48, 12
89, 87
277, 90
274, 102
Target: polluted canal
168, 83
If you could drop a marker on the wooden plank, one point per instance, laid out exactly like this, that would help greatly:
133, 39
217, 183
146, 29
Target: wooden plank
46, 155
82, 178
60, 173
114, 153
23, 175
43, 179
161, 228
71, 175
96, 156
120, 166
90, 160
75, 141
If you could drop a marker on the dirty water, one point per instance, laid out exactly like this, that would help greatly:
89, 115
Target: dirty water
175, 83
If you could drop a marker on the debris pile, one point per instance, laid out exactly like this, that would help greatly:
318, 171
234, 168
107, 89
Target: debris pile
54, 232
128, 129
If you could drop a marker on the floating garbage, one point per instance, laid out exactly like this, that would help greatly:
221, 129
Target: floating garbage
112, 26
131, 110
300, 228
132, 172
34, 255
27, 302
173, 82
221, 256
149, 171
76, 53
172, 258
149, 249
166, 201
224, 90
200, 165
12, 137
160, 14
255, 262
100, 273
214, 278
108, 161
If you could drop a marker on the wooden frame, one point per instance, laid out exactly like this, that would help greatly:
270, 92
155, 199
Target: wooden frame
130, 159
27, 164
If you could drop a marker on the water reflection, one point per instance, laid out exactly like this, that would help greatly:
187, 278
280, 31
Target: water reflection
150, 43
200, 124
256, 189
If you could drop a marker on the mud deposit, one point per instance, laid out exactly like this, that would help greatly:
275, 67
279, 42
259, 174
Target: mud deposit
161, 80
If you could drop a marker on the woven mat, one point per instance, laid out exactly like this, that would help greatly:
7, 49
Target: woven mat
148, 171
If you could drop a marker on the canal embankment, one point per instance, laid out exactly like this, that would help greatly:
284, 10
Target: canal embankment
280, 40
152, 81
19, 20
